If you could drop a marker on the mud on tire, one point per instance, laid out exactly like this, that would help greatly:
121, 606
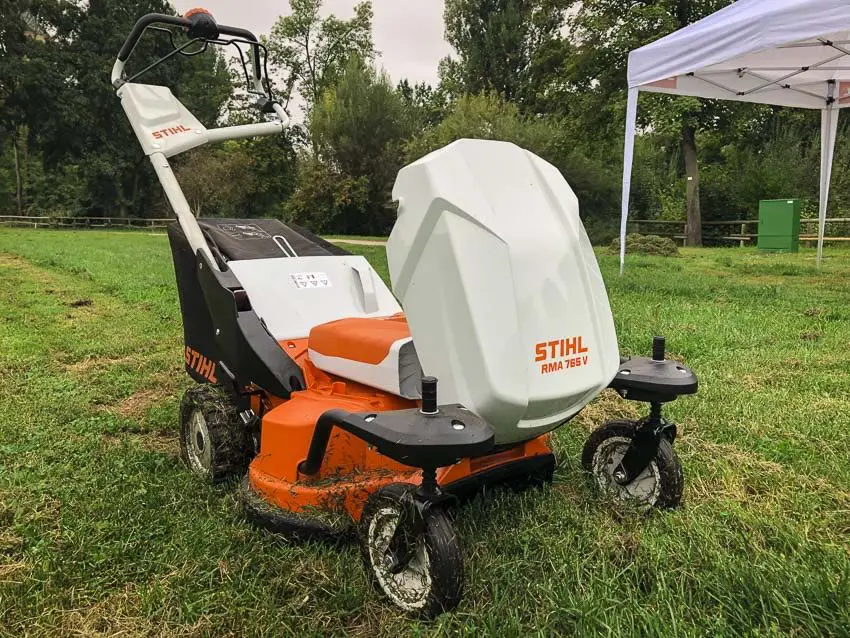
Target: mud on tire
432, 582
214, 443
659, 486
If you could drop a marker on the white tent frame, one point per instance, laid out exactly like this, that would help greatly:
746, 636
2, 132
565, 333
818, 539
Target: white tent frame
781, 52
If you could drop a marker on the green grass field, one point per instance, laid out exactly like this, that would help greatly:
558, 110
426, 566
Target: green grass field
102, 532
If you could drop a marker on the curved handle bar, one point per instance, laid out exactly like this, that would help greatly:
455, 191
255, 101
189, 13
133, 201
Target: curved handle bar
143, 23
160, 18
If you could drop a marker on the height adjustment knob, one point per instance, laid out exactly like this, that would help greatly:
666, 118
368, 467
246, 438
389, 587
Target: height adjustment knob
658, 348
429, 395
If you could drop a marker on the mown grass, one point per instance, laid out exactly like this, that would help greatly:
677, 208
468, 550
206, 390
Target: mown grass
103, 532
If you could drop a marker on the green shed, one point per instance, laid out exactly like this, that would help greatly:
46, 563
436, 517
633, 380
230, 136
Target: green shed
779, 225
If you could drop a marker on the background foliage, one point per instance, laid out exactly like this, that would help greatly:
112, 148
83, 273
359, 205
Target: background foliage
548, 75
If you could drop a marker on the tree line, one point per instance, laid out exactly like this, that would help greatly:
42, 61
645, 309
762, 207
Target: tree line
549, 75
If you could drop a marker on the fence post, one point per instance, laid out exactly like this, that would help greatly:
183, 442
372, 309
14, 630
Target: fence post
743, 232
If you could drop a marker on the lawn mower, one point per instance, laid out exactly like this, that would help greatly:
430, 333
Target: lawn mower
349, 409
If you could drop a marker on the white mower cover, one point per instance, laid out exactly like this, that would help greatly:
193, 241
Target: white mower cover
500, 286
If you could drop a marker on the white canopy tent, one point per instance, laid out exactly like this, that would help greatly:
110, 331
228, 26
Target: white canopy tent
782, 52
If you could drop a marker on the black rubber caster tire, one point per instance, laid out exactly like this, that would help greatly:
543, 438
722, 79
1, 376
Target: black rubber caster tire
214, 443
659, 486
433, 581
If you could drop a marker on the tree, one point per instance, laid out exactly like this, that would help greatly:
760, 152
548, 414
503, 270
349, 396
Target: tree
328, 201
606, 31
501, 44
274, 168
485, 116
359, 128
216, 181
86, 124
315, 50
488, 116
23, 25
426, 105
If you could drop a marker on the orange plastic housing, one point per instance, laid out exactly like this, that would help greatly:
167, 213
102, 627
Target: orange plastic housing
351, 470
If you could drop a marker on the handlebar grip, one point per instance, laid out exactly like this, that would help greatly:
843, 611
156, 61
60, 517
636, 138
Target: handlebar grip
143, 23
236, 32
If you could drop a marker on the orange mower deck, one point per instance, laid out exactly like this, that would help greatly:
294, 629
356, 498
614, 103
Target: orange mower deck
352, 470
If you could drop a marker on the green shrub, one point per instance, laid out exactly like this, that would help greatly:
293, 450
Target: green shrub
647, 245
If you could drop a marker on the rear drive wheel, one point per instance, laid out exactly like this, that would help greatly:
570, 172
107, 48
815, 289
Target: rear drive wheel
429, 580
660, 485
214, 443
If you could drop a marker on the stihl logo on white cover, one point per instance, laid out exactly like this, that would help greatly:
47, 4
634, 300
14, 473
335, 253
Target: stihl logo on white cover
168, 132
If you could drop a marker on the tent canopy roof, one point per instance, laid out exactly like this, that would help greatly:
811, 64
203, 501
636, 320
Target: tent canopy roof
784, 52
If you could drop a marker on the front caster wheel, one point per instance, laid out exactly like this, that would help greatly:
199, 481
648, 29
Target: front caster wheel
659, 485
214, 443
411, 553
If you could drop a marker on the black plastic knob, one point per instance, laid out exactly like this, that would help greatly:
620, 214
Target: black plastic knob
659, 347
429, 395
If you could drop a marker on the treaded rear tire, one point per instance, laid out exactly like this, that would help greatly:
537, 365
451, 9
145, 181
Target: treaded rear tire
225, 447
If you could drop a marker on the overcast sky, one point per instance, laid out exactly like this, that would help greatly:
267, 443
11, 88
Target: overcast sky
407, 33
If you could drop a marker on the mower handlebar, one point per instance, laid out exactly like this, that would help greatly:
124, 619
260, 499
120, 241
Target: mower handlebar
198, 23
143, 23
236, 32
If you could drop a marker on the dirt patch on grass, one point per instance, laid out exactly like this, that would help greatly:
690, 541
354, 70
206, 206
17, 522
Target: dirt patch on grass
122, 614
85, 310
159, 442
80, 305
733, 455
12, 260
95, 363
744, 477
137, 404
752, 383
34, 273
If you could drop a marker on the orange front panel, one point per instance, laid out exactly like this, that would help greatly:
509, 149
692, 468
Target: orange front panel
351, 469
469, 467
288, 427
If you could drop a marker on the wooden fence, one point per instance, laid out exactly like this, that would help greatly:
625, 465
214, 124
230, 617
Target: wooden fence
125, 223
738, 229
